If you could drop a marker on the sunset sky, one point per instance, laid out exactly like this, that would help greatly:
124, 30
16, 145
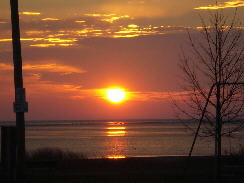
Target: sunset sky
73, 50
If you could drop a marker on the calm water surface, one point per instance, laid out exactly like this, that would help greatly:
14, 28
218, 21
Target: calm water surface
97, 139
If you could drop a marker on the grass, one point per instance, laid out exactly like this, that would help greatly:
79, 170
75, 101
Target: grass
56, 154
237, 153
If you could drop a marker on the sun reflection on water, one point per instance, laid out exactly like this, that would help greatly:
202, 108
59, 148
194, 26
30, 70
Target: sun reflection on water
116, 129
115, 132
116, 157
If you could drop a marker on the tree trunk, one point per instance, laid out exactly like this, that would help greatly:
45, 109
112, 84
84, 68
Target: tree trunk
218, 135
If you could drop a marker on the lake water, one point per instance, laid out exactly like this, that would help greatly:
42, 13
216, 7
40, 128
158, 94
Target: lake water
127, 138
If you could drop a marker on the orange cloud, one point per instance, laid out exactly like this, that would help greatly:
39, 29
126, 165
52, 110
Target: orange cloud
98, 15
45, 45
22, 39
80, 21
59, 40
35, 32
53, 67
5, 67
53, 40
228, 4
136, 8
29, 13
114, 18
50, 19
108, 17
158, 96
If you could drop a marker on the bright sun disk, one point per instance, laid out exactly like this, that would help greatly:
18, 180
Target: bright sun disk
115, 95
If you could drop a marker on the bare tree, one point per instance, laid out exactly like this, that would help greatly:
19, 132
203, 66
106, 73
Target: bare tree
216, 57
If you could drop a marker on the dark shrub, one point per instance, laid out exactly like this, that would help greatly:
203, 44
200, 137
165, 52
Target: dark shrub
53, 154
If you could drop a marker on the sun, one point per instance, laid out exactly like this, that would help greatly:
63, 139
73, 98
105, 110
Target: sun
115, 95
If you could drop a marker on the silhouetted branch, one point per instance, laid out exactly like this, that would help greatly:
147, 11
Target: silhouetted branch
218, 57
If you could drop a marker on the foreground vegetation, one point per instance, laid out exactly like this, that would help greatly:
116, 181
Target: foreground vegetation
54, 154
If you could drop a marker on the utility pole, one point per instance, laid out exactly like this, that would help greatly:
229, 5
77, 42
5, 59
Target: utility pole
20, 104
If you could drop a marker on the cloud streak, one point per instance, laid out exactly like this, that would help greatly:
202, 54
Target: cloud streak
29, 13
101, 25
51, 67
50, 19
228, 4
